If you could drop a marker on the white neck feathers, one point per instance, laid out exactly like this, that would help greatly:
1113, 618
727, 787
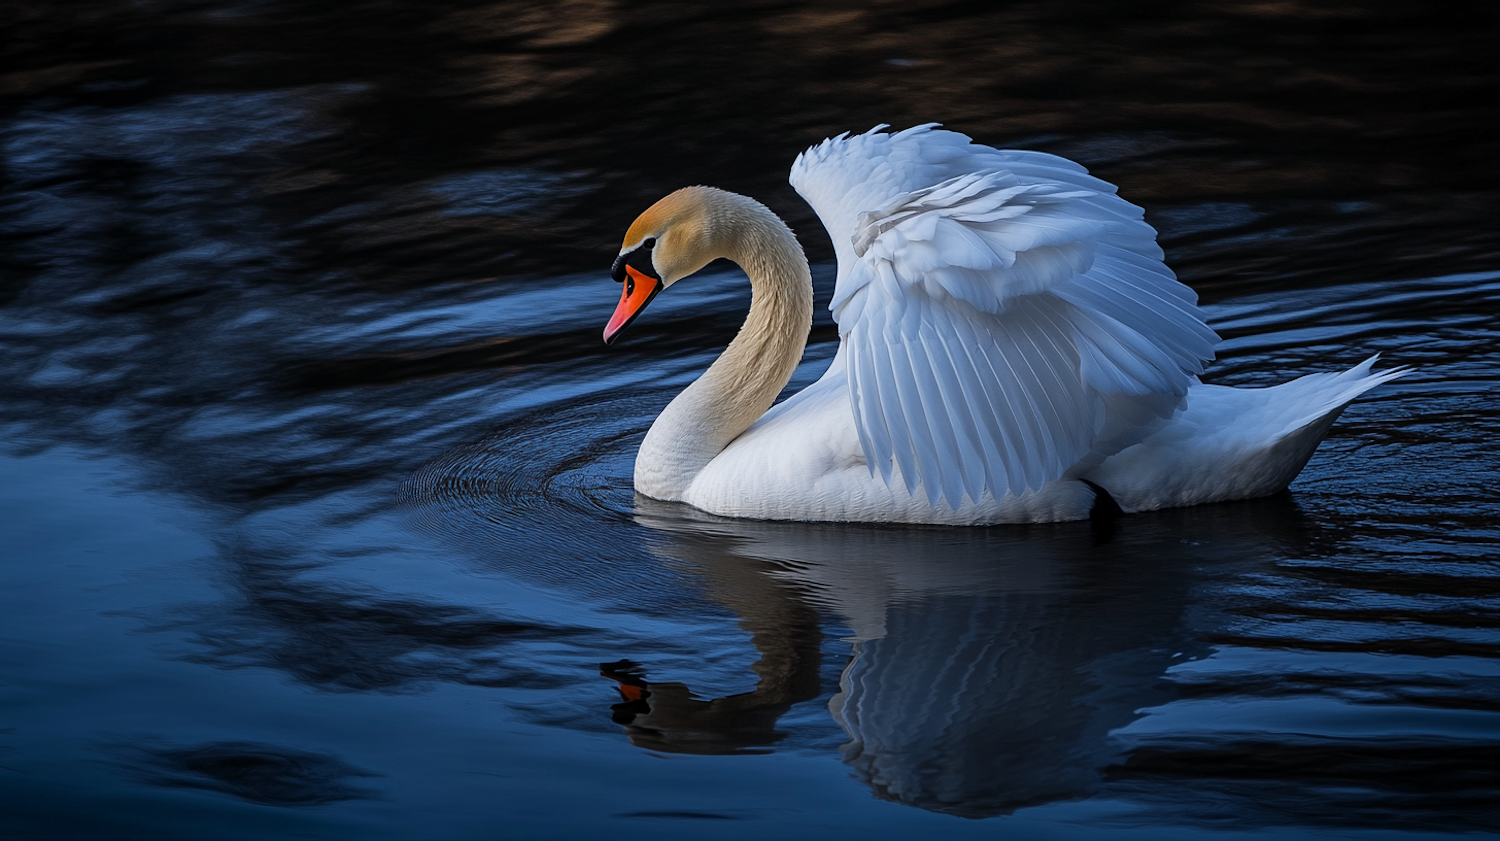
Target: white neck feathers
742, 384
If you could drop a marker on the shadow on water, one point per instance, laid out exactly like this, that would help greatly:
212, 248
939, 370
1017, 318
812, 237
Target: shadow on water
340, 639
1428, 785
258, 773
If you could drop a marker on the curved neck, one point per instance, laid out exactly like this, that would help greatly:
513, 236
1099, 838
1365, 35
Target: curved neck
743, 382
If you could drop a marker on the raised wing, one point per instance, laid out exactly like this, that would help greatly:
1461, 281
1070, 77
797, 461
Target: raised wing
1002, 322
845, 176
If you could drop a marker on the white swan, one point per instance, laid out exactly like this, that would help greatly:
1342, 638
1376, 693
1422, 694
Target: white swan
1012, 348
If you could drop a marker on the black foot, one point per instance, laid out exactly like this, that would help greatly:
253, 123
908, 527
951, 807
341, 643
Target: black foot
1105, 508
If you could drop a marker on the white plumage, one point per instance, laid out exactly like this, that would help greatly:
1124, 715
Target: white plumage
998, 319
1008, 330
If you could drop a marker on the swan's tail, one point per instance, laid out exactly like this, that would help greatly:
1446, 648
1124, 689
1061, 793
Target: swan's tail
1235, 443
1319, 398
1310, 404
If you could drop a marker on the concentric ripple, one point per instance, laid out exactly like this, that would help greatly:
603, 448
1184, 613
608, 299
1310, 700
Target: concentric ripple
548, 497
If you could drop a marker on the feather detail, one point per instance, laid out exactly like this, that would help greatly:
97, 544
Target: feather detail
1001, 310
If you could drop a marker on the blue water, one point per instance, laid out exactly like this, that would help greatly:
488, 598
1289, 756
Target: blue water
315, 504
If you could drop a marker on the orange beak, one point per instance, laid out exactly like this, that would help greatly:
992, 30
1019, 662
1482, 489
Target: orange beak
639, 289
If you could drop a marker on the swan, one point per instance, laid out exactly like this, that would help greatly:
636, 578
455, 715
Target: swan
1012, 349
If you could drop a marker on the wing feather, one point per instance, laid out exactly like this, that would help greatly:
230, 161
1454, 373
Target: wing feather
1004, 312
937, 456
969, 473
998, 447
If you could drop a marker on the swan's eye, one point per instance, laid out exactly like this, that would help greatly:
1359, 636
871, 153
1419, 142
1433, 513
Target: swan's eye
649, 243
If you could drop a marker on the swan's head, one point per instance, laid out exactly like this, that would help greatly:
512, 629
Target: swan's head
674, 238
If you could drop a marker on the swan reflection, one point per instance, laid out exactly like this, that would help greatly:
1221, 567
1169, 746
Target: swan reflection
988, 666
665, 716
982, 671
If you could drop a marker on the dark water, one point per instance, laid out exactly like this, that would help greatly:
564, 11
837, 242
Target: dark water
316, 518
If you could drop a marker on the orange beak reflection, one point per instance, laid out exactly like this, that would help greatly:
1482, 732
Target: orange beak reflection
639, 289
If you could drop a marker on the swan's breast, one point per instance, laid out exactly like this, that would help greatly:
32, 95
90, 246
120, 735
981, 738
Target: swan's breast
793, 463
803, 461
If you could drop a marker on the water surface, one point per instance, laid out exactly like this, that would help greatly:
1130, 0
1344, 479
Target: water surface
316, 503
